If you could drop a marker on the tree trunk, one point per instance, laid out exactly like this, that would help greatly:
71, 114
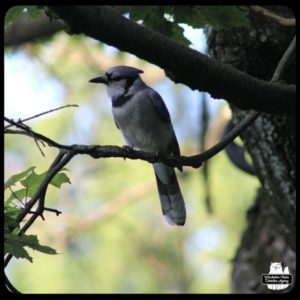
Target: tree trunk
271, 142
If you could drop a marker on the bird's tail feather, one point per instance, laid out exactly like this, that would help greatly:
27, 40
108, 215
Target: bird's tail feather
172, 203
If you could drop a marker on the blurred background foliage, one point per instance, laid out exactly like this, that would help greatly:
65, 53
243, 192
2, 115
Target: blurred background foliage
112, 237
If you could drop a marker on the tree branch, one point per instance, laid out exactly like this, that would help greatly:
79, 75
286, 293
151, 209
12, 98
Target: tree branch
283, 63
278, 19
67, 152
43, 113
27, 30
96, 151
125, 152
191, 68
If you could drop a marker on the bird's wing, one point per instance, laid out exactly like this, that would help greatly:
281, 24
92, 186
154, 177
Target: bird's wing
162, 111
159, 105
174, 149
174, 145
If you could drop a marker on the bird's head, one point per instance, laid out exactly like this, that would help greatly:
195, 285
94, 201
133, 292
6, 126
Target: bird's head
118, 79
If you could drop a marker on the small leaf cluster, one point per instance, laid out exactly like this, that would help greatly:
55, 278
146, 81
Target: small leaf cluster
166, 19
14, 243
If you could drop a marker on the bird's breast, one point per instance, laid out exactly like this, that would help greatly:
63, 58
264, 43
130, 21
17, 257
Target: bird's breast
140, 125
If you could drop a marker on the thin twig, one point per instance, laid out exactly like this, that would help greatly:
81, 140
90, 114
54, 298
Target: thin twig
278, 19
283, 63
43, 113
11, 190
26, 131
57, 212
36, 142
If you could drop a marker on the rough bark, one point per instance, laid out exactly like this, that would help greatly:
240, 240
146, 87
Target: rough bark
271, 142
263, 242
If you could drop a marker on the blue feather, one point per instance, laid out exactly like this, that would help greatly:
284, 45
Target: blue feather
159, 105
162, 111
123, 72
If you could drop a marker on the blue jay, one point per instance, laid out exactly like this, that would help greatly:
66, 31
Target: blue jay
143, 118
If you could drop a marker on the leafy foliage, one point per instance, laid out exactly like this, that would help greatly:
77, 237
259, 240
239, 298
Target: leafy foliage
16, 12
17, 177
153, 17
15, 245
222, 17
167, 19
164, 18
31, 181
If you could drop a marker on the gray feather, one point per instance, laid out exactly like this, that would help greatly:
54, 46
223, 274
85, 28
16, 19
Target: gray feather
172, 203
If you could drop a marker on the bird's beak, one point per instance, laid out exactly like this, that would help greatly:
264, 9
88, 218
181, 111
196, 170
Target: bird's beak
101, 79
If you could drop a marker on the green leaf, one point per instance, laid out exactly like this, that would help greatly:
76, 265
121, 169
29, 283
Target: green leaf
17, 177
177, 35
10, 219
32, 182
13, 14
13, 246
153, 17
10, 223
34, 11
33, 242
222, 17
146, 13
219, 17
12, 211
59, 179
19, 194
189, 15
136, 14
